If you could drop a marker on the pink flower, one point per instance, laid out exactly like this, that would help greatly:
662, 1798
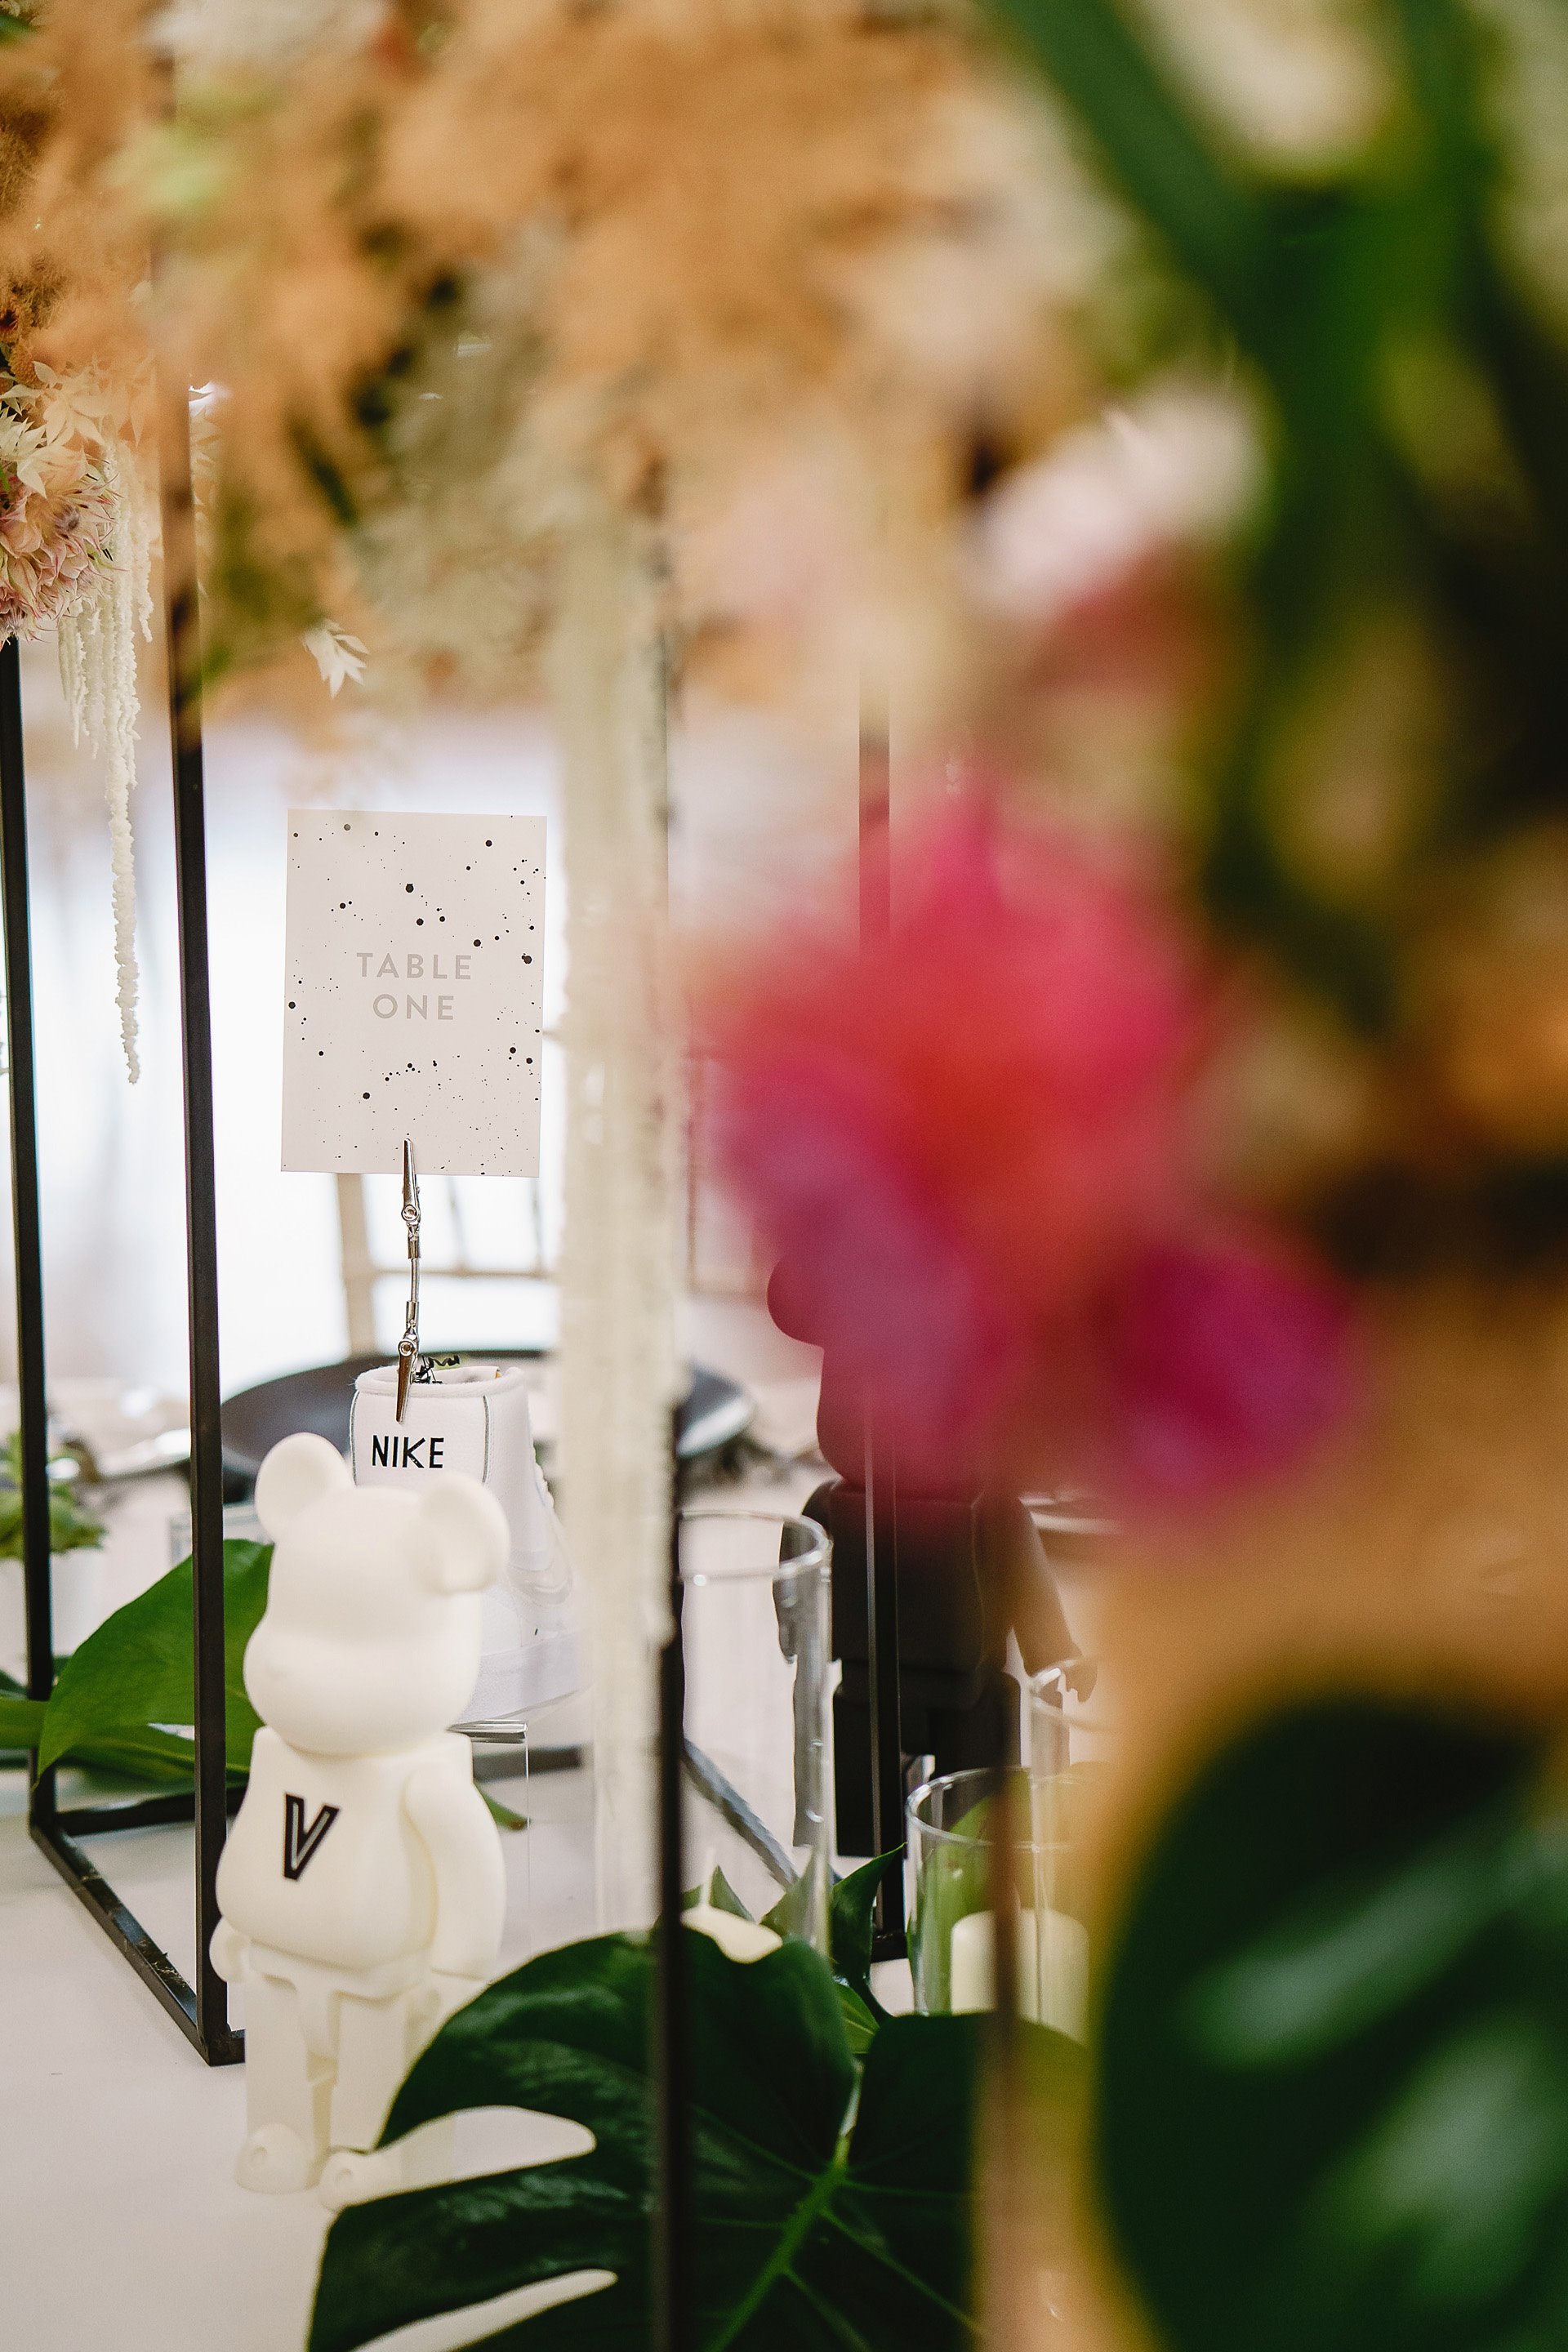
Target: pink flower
968, 1145
1225, 1363
21, 530
51, 543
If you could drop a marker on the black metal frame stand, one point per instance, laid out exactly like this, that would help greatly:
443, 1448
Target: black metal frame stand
200, 2010
674, 2220
889, 1941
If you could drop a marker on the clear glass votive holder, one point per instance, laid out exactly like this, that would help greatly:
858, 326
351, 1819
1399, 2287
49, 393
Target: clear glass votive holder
955, 1824
754, 1603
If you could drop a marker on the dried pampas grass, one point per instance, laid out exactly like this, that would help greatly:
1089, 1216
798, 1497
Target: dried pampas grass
662, 236
75, 89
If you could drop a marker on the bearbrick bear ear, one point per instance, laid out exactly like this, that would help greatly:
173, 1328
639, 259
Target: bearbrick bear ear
465, 1529
296, 1473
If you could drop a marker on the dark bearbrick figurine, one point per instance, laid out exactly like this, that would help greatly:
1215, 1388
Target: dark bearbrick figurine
970, 1568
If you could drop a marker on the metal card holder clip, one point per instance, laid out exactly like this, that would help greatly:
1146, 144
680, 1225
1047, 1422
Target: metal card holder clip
409, 1365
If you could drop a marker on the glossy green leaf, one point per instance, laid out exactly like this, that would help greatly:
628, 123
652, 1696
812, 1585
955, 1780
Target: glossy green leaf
849, 1929
723, 1898
1397, 252
1332, 2098
862, 2017
502, 1814
825, 2219
21, 1721
718, 1892
850, 1921
134, 1676
1216, 225
141, 1755
791, 1915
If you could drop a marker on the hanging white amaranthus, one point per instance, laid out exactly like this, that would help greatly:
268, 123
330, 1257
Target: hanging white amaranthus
619, 1366
98, 671
75, 535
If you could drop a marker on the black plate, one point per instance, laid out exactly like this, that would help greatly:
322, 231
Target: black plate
716, 1411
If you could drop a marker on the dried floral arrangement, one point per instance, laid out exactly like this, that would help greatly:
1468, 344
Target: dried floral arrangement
78, 517
539, 262
656, 244
530, 260
77, 527
471, 275
500, 308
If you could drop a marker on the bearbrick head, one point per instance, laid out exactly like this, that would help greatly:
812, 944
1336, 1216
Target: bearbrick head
371, 1636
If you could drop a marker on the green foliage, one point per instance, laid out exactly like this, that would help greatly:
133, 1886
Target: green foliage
850, 1903
1216, 227
723, 1898
71, 1528
20, 1718
134, 1677
833, 2203
503, 1815
1332, 2104
850, 1906
1381, 317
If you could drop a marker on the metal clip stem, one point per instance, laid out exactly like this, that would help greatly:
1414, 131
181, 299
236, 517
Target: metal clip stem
408, 1346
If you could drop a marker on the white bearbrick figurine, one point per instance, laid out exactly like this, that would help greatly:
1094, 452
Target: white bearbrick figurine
362, 1887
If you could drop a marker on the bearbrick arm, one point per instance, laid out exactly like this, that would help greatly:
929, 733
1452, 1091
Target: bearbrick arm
464, 1846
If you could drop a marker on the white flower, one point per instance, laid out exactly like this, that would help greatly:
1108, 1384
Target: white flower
335, 653
221, 36
81, 407
1181, 466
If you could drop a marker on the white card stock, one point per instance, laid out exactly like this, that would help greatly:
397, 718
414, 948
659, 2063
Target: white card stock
413, 993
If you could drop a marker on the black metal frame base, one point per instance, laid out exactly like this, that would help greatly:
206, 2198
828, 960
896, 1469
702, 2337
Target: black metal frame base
199, 2010
889, 1938
55, 1834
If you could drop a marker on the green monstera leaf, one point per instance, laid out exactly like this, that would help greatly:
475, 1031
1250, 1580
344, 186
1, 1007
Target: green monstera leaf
834, 2203
1332, 2096
123, 1696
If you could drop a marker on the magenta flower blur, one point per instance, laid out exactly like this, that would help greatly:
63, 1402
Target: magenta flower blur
969, 1147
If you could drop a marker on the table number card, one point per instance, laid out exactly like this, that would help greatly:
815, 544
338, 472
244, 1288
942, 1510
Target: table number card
412, 1005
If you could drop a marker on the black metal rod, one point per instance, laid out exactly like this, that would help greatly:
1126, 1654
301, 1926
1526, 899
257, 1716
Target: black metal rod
139, 1812
46, 1823
675, 2217
877, 1476
220, 2043
888, 1936
26, 1228
151, 1962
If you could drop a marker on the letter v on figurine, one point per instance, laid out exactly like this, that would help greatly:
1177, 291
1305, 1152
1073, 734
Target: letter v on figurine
362, 1887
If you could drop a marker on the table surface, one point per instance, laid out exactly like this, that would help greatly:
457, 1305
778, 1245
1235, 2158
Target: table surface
121, 2221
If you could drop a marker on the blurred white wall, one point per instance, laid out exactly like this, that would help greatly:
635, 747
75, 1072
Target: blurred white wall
759, 810
113, 1200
